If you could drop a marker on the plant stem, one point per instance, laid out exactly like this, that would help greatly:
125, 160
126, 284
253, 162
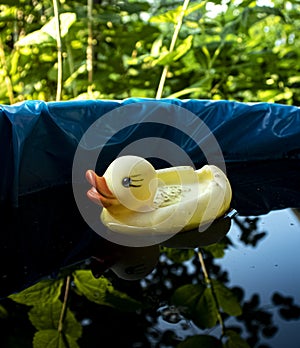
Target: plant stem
8, 82
59, 51
209, 282
71, 66
64, 305
89, 50
204, 270
171, 49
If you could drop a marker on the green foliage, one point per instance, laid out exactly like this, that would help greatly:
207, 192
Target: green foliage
206, 312
47, 34
226, 299
45, 318
3, 312
102, 292
178, 255
45, 315
246, 53
234, 340
204, 303
53, 339
55, 323
42, 292
217, 250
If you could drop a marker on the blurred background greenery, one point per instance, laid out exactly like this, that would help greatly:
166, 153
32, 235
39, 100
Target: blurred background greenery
230, 49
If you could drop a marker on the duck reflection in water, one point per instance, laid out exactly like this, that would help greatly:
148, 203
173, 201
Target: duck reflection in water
133, 263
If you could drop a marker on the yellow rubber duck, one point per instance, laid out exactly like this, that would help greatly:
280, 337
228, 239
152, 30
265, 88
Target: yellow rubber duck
137, 199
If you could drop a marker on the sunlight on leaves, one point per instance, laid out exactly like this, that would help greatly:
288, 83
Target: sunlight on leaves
102, 292
167, 58
47, 316
94, 289
171, 16
53, 339
42, 292
37, 37
47, 34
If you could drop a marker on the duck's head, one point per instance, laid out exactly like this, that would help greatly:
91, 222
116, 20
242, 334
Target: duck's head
130, 181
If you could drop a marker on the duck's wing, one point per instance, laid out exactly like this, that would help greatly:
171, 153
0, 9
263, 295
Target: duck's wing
168, 195
175, 175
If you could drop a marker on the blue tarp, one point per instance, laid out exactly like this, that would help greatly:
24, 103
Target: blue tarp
39, 139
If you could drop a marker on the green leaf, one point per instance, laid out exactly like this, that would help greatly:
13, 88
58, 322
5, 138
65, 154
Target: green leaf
194, 7
47, 34
47, 316
37, 37
93, 289
134, 7
187, 296
3, 312
156, 46
41, 292
234, 340
206, 312
171, 16
167, 58
226, 299
102, 292
178, 255
167, 17
189, 90
184, 47
203, 341
53, 339
74, 76
217, 250
66, 21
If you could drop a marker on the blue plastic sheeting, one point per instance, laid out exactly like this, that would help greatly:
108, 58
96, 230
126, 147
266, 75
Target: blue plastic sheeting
39, 139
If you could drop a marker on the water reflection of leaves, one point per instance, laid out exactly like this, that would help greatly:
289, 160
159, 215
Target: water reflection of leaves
55, 323
46, 315
102, 292
206, 304
288, 310
257, 320
41, 292
249, 228
189, 298
45, 318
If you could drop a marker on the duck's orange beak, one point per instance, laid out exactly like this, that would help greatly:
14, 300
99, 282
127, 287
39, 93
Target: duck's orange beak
100, 193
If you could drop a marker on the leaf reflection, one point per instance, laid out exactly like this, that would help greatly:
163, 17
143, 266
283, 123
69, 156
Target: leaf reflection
182, 303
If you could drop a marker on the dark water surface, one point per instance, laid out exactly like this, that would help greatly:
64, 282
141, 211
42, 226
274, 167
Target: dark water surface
269, 268
253, 269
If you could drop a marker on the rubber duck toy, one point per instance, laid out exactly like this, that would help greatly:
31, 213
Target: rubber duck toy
137, 199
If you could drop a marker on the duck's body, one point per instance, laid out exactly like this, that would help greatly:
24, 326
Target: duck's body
162, 201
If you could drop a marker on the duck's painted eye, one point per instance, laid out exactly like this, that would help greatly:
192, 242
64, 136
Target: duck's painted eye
126, 182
